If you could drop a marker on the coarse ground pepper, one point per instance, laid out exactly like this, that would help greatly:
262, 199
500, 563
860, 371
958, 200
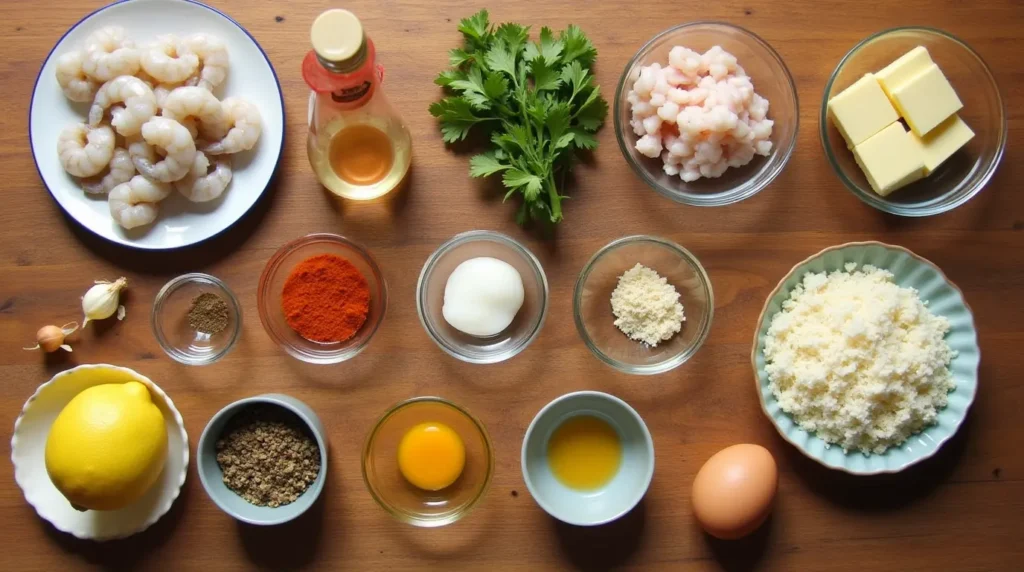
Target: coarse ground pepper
325, 299
267, 456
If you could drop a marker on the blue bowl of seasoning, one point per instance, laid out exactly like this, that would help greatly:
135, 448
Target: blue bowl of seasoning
212, 476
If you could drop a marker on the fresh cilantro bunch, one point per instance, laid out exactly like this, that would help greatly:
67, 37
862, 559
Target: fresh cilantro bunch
537, 99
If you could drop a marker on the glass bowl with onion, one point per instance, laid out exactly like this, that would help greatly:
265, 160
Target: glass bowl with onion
595, 321
176, 333
394, 491
771, 79
961, 176
434, 281
271, 287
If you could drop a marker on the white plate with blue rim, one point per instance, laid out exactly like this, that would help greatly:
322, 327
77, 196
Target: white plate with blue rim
943, 299
180, 222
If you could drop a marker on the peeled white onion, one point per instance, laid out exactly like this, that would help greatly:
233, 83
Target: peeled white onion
482, 296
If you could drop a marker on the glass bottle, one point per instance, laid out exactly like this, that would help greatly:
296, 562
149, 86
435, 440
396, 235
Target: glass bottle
358, 145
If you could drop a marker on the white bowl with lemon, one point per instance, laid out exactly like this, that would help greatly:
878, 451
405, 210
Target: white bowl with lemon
588, 458
100, 452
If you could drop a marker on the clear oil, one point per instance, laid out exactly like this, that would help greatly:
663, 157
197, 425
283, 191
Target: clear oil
361, 153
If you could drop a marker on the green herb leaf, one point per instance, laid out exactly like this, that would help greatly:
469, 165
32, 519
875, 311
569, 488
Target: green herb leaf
495, 86
501, 59
528, 183
593, 111
583, 139
575, 76
475, 27
485, 164
550, 48
445, 78
578, 46
458, 57
513, 35
557, 120
456, 115
544, 76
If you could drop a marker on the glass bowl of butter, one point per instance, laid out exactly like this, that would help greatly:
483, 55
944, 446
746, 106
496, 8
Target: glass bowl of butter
912, 121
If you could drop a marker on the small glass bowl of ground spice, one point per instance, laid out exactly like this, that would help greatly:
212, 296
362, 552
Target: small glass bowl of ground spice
626, 311
321, 298
196, 319
263, 459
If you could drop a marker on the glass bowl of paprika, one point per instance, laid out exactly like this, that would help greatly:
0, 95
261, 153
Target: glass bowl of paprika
321, 298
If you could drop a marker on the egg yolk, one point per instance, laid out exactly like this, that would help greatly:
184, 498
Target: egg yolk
431, 456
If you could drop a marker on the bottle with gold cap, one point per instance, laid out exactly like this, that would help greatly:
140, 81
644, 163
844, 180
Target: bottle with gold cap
358, 145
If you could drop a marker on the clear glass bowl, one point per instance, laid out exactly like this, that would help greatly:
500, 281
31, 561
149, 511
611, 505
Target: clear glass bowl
771, 80
272, 284
592, 307
407, 503
430, 297
169, 320
964, 174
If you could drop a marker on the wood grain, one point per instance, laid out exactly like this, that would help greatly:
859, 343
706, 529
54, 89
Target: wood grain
959, 511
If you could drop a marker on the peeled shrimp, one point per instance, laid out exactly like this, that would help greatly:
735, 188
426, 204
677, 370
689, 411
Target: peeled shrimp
119, 170
84, 151
176, 143
244, 118
195, 102
202, 184
168, 61
108, 54
75, 84
213, 60
134, 203
138, 98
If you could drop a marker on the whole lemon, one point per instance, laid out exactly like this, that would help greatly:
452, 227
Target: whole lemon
107, 447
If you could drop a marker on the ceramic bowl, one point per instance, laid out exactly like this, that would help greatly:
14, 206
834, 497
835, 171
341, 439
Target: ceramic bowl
280, 265
943, 299
402, 500
212, 477
592, 307
170, 320
28, 446
430, 297
622, 493
180, 222
771, 79
961, 176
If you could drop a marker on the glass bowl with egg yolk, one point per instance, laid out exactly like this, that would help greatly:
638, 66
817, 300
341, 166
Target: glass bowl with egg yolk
428, 462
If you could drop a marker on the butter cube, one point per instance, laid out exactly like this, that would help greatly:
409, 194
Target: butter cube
942, 142
926, 100
890, 160
861, 110
904, 69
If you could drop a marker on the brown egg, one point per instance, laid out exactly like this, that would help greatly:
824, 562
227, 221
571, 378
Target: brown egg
733, 491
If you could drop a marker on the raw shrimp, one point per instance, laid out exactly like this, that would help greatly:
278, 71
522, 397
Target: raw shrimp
202, 184
108, 54
213, 60
119, 170
174, 140
244, 118
195, 102
138, 98
168, 61
75, 84
161, 91
84, 151
134, 203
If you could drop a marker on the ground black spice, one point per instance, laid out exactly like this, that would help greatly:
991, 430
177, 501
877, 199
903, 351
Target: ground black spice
209, 314
268, 456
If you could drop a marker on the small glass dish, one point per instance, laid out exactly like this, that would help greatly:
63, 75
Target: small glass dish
965, 173
592, 308
771, 80
402, 500
272, 282
169, 320
434, 277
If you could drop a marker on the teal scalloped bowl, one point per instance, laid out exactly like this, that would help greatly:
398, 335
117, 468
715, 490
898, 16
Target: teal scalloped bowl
943, 298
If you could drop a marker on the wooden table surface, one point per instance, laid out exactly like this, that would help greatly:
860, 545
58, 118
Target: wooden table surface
959, 511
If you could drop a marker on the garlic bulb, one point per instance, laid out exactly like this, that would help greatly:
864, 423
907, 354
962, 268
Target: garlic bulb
100, 302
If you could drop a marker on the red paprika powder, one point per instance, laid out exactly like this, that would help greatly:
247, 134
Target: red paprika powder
325, 299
